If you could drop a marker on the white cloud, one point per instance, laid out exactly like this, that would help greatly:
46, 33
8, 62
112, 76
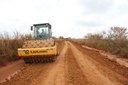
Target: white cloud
69, 18
97, 6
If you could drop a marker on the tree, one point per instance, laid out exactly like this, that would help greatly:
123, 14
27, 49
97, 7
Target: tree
61, 37
117, 33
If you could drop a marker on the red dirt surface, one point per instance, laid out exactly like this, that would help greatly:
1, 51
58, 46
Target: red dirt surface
10, 69
74, 66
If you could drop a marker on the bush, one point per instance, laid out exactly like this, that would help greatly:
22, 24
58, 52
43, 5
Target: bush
9, 46
115, 41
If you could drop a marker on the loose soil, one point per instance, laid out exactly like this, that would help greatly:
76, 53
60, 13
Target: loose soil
74, 66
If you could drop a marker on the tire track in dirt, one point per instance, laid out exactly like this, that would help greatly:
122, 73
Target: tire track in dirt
90, 69
74, 75
56, 74
112, 70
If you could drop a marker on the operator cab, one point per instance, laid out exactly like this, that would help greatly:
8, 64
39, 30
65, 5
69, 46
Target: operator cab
41, 31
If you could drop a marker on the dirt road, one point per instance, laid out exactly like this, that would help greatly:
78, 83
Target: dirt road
74, 66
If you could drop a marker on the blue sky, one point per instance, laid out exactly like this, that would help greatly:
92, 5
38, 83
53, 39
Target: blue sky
69, 18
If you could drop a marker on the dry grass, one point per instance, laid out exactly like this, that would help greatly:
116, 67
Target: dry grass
114, 41
9, 46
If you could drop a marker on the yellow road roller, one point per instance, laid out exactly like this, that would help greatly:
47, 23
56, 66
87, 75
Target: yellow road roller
42, 48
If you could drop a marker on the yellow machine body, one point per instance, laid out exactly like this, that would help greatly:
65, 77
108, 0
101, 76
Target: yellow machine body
36, 52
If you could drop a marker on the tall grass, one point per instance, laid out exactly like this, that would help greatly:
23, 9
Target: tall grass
9, 46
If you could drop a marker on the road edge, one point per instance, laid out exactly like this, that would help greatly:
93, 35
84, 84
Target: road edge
120, 61
9, 76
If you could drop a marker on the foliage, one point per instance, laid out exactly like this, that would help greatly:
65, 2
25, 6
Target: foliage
9, 46
61, 37
114, 41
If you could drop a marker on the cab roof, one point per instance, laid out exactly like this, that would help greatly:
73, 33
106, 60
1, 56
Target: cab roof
45, 24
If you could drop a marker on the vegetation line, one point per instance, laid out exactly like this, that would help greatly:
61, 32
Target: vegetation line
114, 41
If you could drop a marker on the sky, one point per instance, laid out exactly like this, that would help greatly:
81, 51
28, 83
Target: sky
69, 18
